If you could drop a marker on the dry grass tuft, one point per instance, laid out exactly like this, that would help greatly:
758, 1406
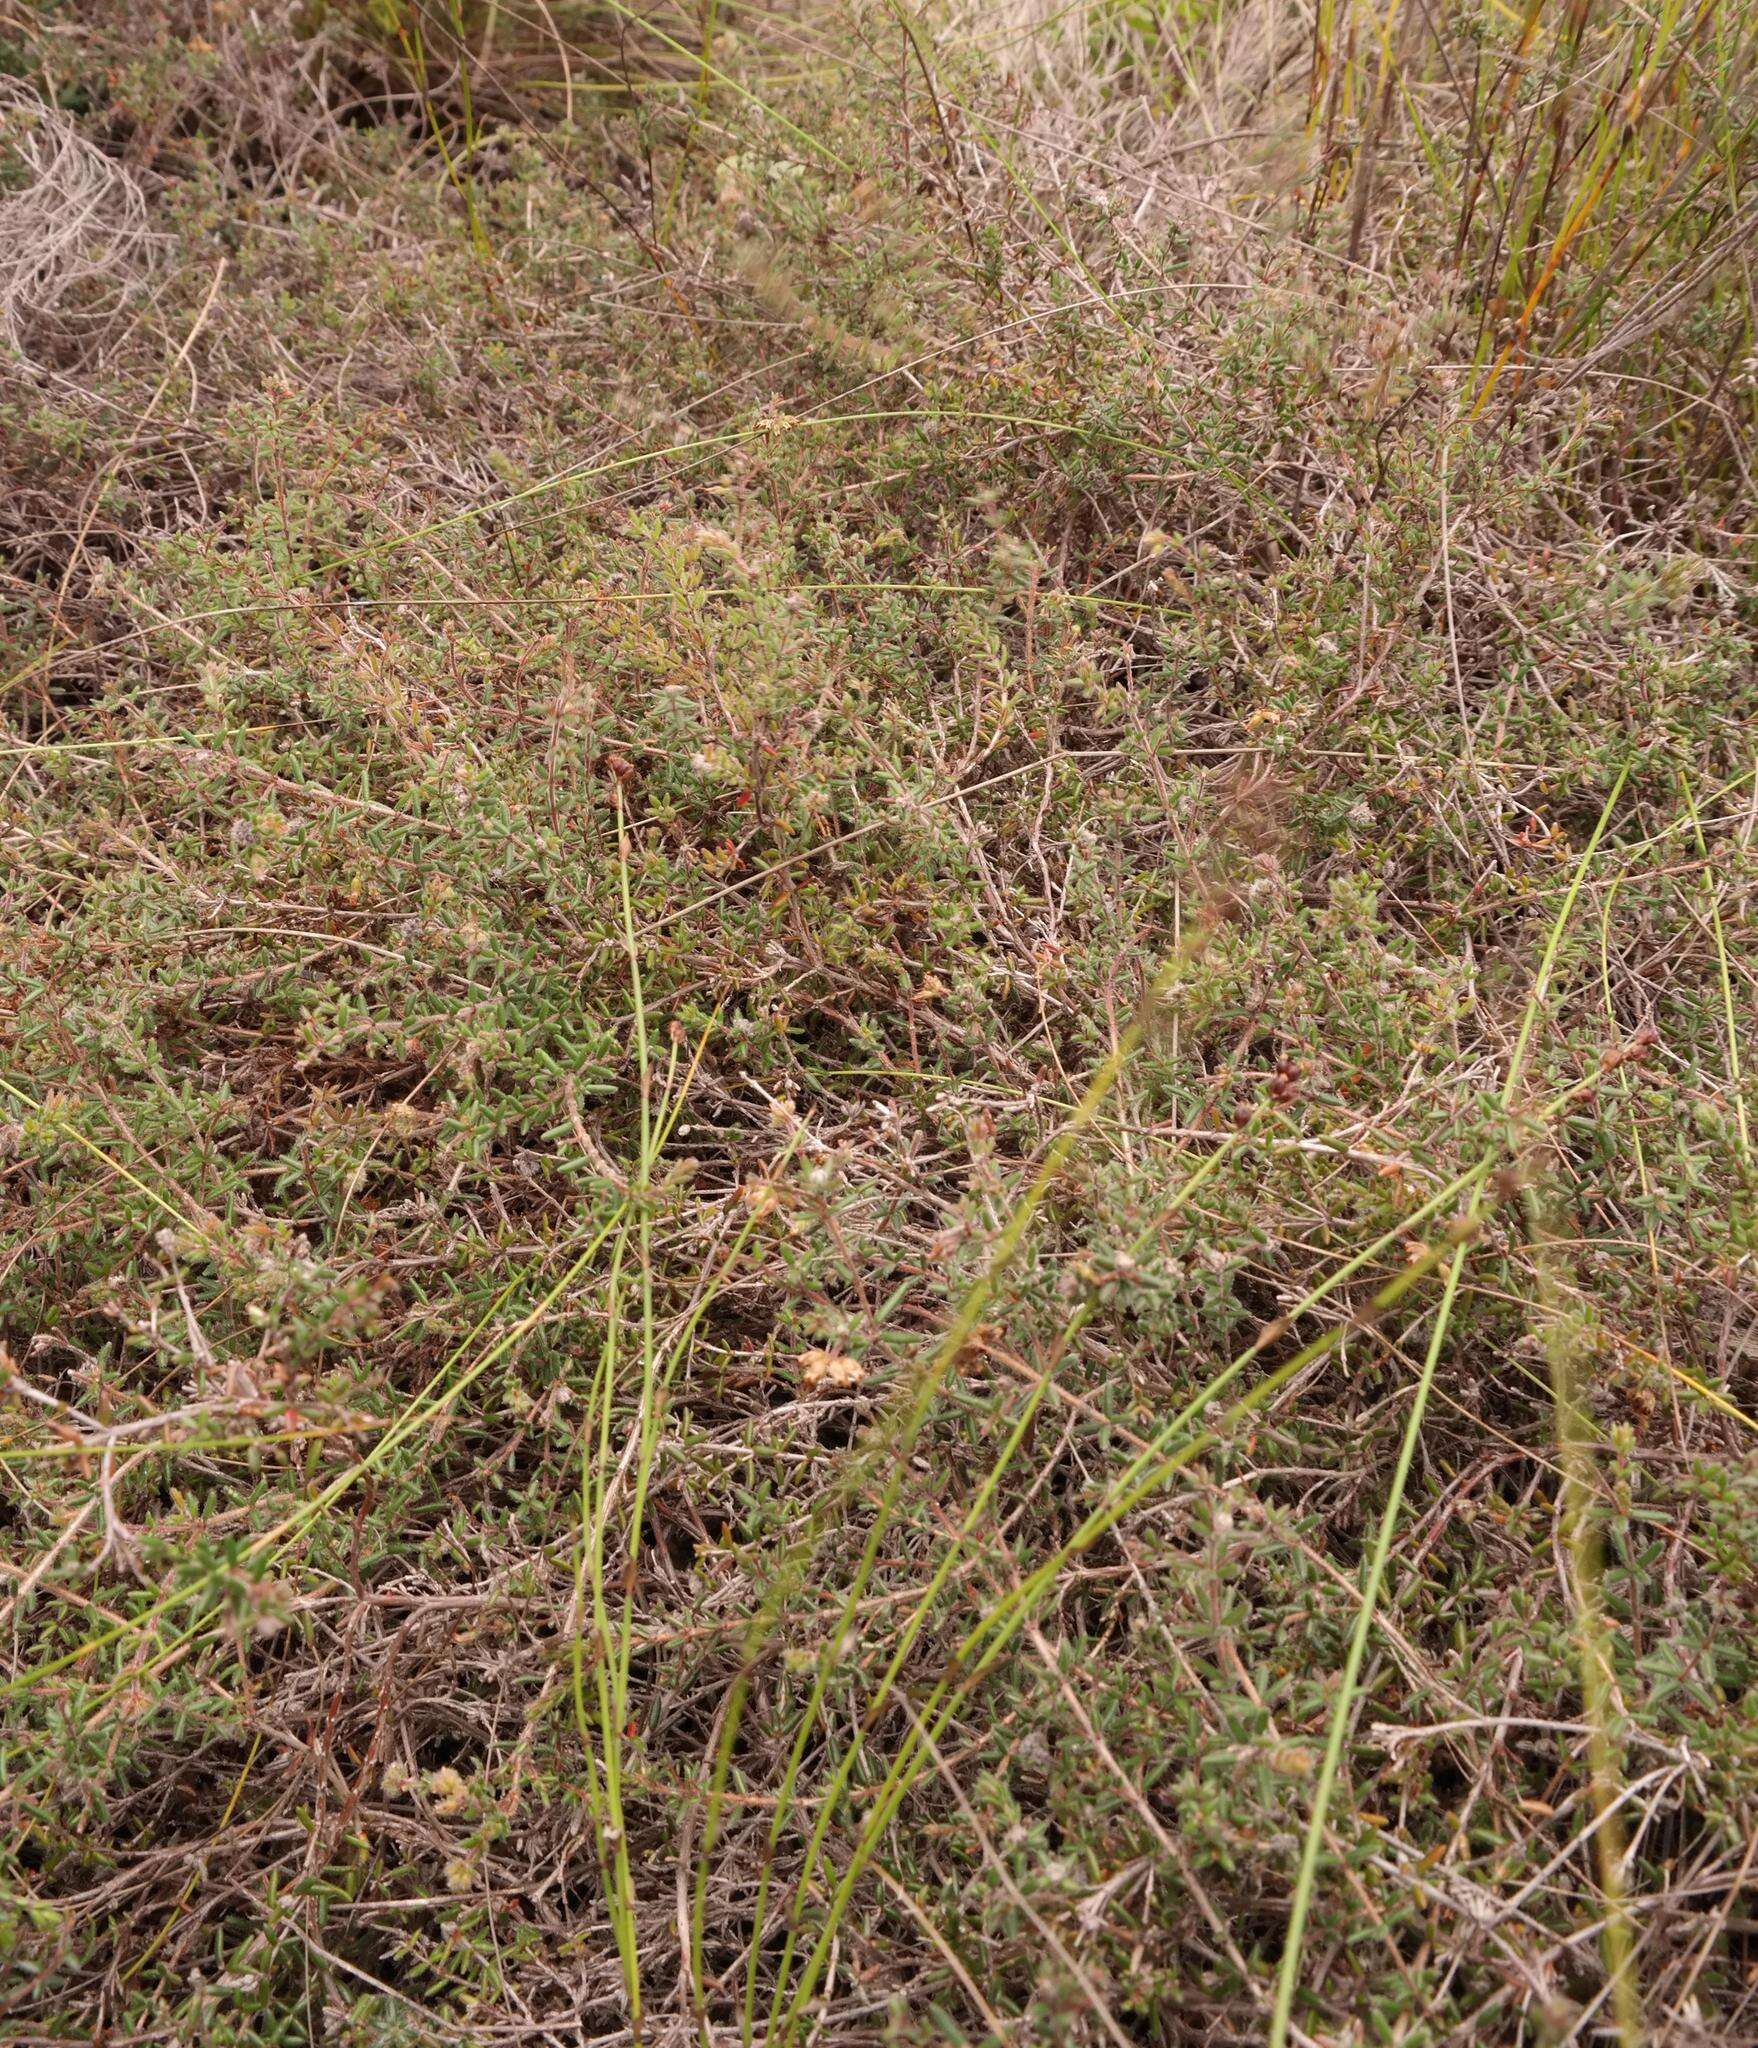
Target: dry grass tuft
73, 226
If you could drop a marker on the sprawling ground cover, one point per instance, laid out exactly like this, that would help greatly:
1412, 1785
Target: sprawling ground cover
875, 1034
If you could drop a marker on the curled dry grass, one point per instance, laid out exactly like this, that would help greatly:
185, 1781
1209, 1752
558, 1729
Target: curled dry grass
73, 224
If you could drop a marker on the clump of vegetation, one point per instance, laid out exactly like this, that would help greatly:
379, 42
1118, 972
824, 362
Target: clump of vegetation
875, 1066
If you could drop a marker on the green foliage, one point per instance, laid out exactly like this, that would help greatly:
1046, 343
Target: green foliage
601, 745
